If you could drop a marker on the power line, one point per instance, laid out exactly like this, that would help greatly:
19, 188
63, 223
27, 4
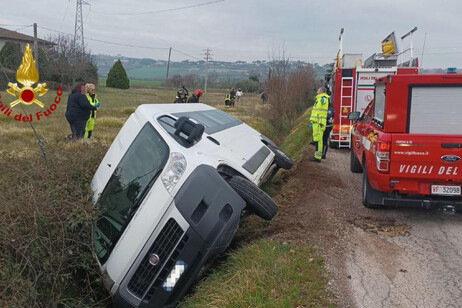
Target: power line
6, 25
22, 28
125, 45
160, 11
185, 54
107, 42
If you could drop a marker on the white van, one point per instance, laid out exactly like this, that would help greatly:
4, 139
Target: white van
171, 191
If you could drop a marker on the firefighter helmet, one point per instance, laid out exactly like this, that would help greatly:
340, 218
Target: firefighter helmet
198, 93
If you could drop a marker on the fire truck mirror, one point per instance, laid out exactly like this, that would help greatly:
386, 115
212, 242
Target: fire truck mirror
354, 116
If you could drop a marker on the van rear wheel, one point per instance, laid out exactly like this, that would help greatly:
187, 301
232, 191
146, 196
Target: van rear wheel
257, 200
281, 159
372, 198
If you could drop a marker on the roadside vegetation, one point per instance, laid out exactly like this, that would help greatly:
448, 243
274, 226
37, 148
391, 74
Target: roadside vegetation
46, 213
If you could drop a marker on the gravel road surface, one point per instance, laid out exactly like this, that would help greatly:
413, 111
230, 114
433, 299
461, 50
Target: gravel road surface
393, 257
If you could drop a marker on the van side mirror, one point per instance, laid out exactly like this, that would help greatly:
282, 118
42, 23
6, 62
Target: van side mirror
192, 131
354, 116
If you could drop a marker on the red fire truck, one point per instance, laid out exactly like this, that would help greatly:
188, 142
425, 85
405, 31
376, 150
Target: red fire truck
352, 83
408, 142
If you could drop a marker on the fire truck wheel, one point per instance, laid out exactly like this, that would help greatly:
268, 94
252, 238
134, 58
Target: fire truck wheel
372, 198
281, 159
355, 166
257, 200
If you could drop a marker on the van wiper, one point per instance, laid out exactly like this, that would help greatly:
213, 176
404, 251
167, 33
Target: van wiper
139, 200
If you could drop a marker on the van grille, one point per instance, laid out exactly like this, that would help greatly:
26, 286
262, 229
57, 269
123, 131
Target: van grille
167, 268
163, 246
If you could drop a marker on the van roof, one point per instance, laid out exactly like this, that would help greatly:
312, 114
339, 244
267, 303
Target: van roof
146, 112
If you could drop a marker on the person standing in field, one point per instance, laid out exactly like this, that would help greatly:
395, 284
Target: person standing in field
186, 93
263, 97
318, 120
194, 98
232, 93
239, 93
77, 111
181, 97
93, 100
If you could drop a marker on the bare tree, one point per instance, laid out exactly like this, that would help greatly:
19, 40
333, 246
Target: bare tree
67, 63
289, 91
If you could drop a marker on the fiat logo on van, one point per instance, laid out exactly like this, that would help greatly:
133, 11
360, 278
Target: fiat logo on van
450, 158
154, 259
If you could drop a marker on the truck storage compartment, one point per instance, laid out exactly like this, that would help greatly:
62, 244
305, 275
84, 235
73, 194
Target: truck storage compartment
435, 109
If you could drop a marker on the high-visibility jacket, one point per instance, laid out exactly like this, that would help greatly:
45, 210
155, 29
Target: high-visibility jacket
91, 120
319, 111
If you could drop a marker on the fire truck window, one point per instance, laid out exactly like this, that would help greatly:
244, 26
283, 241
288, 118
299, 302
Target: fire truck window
379, 105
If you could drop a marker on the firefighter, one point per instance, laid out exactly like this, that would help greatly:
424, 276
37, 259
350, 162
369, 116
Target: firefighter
318, 122
227, 100
93, 100
326, 134
194, 98
181, 97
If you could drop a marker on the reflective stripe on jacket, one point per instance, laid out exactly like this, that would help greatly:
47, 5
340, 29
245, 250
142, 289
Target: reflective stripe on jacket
319, 112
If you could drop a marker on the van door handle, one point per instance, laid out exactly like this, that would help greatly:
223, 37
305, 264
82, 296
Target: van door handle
451, 145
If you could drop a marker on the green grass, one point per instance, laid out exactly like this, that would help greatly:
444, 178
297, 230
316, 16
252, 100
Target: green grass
265, 273
295, 143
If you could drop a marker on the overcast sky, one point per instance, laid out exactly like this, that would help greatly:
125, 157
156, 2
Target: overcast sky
250, 30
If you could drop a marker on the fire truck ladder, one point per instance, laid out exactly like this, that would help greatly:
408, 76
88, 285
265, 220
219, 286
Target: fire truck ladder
346, 106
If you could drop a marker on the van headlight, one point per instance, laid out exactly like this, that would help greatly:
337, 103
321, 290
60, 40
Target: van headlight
173, 171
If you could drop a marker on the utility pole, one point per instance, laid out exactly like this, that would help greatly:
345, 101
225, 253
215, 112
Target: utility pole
207, 57
168, 64
36, 48
78, 29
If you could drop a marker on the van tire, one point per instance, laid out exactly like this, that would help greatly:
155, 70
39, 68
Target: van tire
257, 200
372, 198
281, 159
355, 165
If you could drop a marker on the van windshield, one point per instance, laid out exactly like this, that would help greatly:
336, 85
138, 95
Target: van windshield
124, 192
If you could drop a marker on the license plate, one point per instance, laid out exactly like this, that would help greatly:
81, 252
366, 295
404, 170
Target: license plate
446, 190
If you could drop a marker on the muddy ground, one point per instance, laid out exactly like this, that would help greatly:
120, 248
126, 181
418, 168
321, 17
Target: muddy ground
391, 257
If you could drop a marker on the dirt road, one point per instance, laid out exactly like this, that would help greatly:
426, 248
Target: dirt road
376, 258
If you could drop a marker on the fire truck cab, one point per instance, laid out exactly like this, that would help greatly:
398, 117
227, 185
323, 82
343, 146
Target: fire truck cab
408, 142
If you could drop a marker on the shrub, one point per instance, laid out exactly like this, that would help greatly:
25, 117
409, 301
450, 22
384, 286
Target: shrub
10, 55
248, 85
117, 77
45, 229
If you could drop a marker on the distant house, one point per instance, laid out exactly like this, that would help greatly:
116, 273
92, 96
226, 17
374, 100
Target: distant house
23, 39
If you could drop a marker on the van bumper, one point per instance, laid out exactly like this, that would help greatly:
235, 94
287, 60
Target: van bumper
168, 288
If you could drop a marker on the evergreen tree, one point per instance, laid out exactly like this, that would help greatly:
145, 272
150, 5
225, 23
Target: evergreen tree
10, 55
117, 77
